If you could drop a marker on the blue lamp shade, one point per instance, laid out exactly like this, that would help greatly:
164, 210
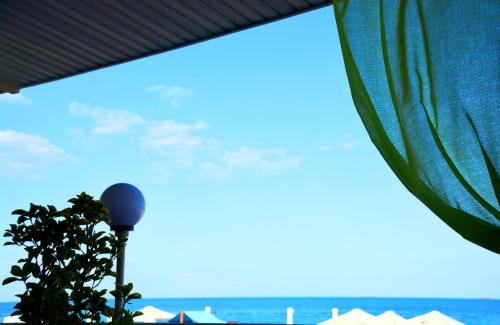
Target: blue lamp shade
126, 205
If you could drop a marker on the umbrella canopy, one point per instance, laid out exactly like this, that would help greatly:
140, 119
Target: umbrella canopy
12, 319
354, 317
196, 317
388, 318
435, 318
151, 314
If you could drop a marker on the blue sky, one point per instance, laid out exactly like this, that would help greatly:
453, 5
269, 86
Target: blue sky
259, 177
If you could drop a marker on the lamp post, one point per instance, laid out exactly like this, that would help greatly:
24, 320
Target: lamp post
126, 206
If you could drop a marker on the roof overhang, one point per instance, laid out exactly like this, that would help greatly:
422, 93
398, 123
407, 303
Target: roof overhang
42, 41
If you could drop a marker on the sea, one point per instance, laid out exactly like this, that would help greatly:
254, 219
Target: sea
312, 310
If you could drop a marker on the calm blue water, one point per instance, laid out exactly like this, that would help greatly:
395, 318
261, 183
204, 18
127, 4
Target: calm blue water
314, 310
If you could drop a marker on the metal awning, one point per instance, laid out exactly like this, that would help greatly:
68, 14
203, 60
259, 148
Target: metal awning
42, 41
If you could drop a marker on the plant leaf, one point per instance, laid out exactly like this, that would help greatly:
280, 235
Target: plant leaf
16, 270
134, 295
9, 280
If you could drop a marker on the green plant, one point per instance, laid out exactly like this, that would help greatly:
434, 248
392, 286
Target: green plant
123, 315
66, 260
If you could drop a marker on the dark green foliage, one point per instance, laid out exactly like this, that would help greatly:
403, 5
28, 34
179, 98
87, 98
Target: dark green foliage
66, 261
125, 316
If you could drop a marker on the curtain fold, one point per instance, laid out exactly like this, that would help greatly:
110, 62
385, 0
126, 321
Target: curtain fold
425, 80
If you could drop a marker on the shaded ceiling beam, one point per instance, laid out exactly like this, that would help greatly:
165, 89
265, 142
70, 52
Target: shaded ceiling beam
8, 87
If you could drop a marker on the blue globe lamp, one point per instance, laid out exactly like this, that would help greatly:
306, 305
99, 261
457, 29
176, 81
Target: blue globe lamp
126, 206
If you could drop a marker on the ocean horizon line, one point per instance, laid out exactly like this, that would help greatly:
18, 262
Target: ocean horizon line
309, 297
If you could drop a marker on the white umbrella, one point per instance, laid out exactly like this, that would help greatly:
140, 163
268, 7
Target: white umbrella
12, 319
354, 317
435, 318
151, 314
388, 318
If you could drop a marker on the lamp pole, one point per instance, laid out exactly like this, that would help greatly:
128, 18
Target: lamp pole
120, 267
126, 206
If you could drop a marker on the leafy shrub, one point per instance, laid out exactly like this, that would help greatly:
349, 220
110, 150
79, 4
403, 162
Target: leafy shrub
66, 260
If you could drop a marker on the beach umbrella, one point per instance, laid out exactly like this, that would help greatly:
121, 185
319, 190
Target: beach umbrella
354, 317
142, 319
388, 318
151, 314
435, 318
196, 316
12, 319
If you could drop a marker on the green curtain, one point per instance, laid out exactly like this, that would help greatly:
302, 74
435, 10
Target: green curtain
424, 77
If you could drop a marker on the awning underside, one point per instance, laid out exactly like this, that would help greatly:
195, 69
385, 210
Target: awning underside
41, 41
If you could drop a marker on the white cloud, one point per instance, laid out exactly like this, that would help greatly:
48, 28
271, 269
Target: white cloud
171, 148
170, 134
175, 148
349, 142
260, 160
27, 155
15, 99
172, 94
182, 147
325, 148
107, 121
211, 170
